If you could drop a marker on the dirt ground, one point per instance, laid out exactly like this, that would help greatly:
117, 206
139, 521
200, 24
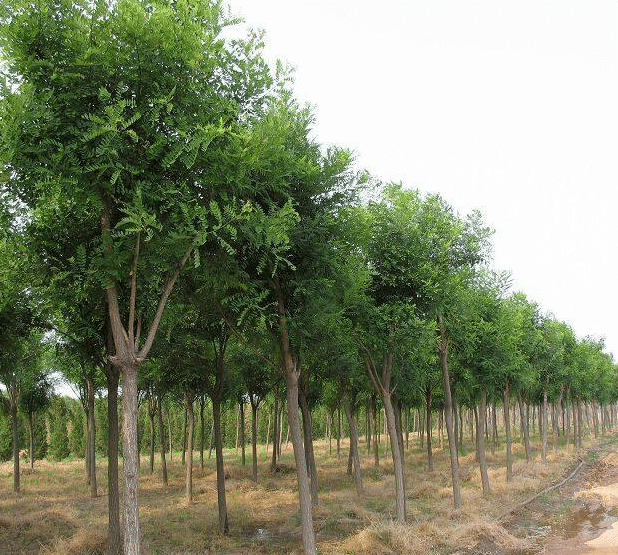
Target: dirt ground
54, 515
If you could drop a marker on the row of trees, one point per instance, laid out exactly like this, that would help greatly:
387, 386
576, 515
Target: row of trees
169, 221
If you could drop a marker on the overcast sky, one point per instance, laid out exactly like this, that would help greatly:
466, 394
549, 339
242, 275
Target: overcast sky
507, 107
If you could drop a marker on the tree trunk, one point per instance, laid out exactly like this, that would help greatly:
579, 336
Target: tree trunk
507, 433
15, 429
242, 433
224, 527
130, 456
31, 438
480, 434
275, 454
184, 438
494, 427
338, 432
448, 415
358, 479
428, 433
376, 426
595, 419
114, 541
91, 440
524, 426
151, 417
544, 419
162, 440
254, 432
189, 466
308, 443
202, 432
292, 374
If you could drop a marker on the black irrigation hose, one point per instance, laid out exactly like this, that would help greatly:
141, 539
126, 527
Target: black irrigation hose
547, 490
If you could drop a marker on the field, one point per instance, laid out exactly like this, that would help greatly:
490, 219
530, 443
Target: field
54, 515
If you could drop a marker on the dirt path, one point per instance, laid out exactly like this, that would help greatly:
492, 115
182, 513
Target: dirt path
581, 517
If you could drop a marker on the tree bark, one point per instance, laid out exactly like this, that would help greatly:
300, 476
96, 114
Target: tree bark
91, 440
308, 444
162, 440
254, 432
114, 541
480, 435
376, 426
292, 374
15, 430
544, 420
130, 455
428, 431
188, 398
224, 527
524, 426
507, 433
31, 438
358, 479
448, 415
241, 405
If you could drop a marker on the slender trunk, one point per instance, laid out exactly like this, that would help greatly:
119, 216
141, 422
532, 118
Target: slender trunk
15, 429
130, 456
579, 424
202, 432
456, 427
224, 528
338, 432
292, 374
358, 480
162, 440
507, 433
595, 420
400, 487
184, 437
480, 434
448, 414
567, 419
428, 424
91, 441
376, 426
268, 432
242, 433
151, 417
275, 454
254, 431
31, 437
308, 444
114, 541
524, 426
544, 419
189, 460
169, 434
212, 439
494, 427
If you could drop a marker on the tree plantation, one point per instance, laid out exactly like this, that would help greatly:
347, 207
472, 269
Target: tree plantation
226, 296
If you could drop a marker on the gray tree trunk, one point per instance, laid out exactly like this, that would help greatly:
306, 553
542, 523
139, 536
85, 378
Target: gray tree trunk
358, 479
507, 433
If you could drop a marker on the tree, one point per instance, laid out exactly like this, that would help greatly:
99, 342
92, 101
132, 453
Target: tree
122, 112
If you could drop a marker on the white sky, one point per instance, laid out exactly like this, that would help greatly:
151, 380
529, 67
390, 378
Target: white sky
508, 107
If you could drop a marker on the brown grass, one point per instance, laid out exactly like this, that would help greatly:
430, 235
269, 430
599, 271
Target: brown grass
54, 515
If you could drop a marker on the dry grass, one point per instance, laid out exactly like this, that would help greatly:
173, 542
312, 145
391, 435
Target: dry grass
54, 515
